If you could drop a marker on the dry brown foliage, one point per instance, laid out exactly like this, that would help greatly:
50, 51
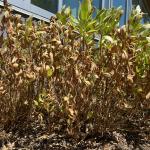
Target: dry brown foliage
100, 89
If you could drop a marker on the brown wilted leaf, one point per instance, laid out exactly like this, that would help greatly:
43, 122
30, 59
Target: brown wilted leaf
124, 55
30, 75
66, 99
127, 105
106, 74
37, 68
14, 59
1, 88
15, 65
130, 78
93, 66
19, 73
51, 57
71, 111
148, 95
87, 82
45, 54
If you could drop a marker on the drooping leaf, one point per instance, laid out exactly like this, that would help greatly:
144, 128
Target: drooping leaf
85, 9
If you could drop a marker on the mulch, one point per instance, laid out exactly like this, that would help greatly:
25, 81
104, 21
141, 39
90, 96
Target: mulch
36, 137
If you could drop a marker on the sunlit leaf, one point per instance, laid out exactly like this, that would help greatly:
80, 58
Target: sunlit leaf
85, 9
138, 8
49, 72
71, 111
87, 82
148, 96
36, 103
127, 105
130, 78
29, 22
146, 26
108, 38
66, 98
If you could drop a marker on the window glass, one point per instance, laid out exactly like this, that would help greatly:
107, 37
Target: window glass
96, 4
143, 5
118, 3
106, 3
135, 3
74, 5
49, 5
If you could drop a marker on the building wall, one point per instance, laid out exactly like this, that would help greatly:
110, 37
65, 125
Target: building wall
28, 7
99, 4
40, 9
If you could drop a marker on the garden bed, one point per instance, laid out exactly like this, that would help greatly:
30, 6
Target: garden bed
35, 136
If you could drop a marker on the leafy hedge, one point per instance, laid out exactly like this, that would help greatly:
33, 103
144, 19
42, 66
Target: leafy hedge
72, 81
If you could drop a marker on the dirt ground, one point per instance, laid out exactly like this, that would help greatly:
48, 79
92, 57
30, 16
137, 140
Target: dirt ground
36, 137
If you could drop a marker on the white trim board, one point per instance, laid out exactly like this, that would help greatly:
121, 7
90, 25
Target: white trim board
25, 7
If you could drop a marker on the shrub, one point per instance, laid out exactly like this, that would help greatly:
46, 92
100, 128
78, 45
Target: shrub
77, 84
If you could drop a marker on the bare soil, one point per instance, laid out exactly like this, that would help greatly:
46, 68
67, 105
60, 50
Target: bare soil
35, 136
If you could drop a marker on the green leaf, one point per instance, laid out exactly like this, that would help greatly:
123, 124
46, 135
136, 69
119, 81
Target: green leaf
29, 22
49, 72
91, 31
89, 115
40, 99
85, 9
36, 103
91, 24
64, 15
67, 11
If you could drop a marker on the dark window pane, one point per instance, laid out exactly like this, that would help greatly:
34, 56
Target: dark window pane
49, 5
135, 3
145, 6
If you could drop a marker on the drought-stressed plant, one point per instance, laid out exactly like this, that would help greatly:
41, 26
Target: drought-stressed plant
72, 81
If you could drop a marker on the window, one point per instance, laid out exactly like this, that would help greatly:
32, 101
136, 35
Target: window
97, 4
106, 4
145, 6
74, 5
135, 3
122, 3
49, 5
